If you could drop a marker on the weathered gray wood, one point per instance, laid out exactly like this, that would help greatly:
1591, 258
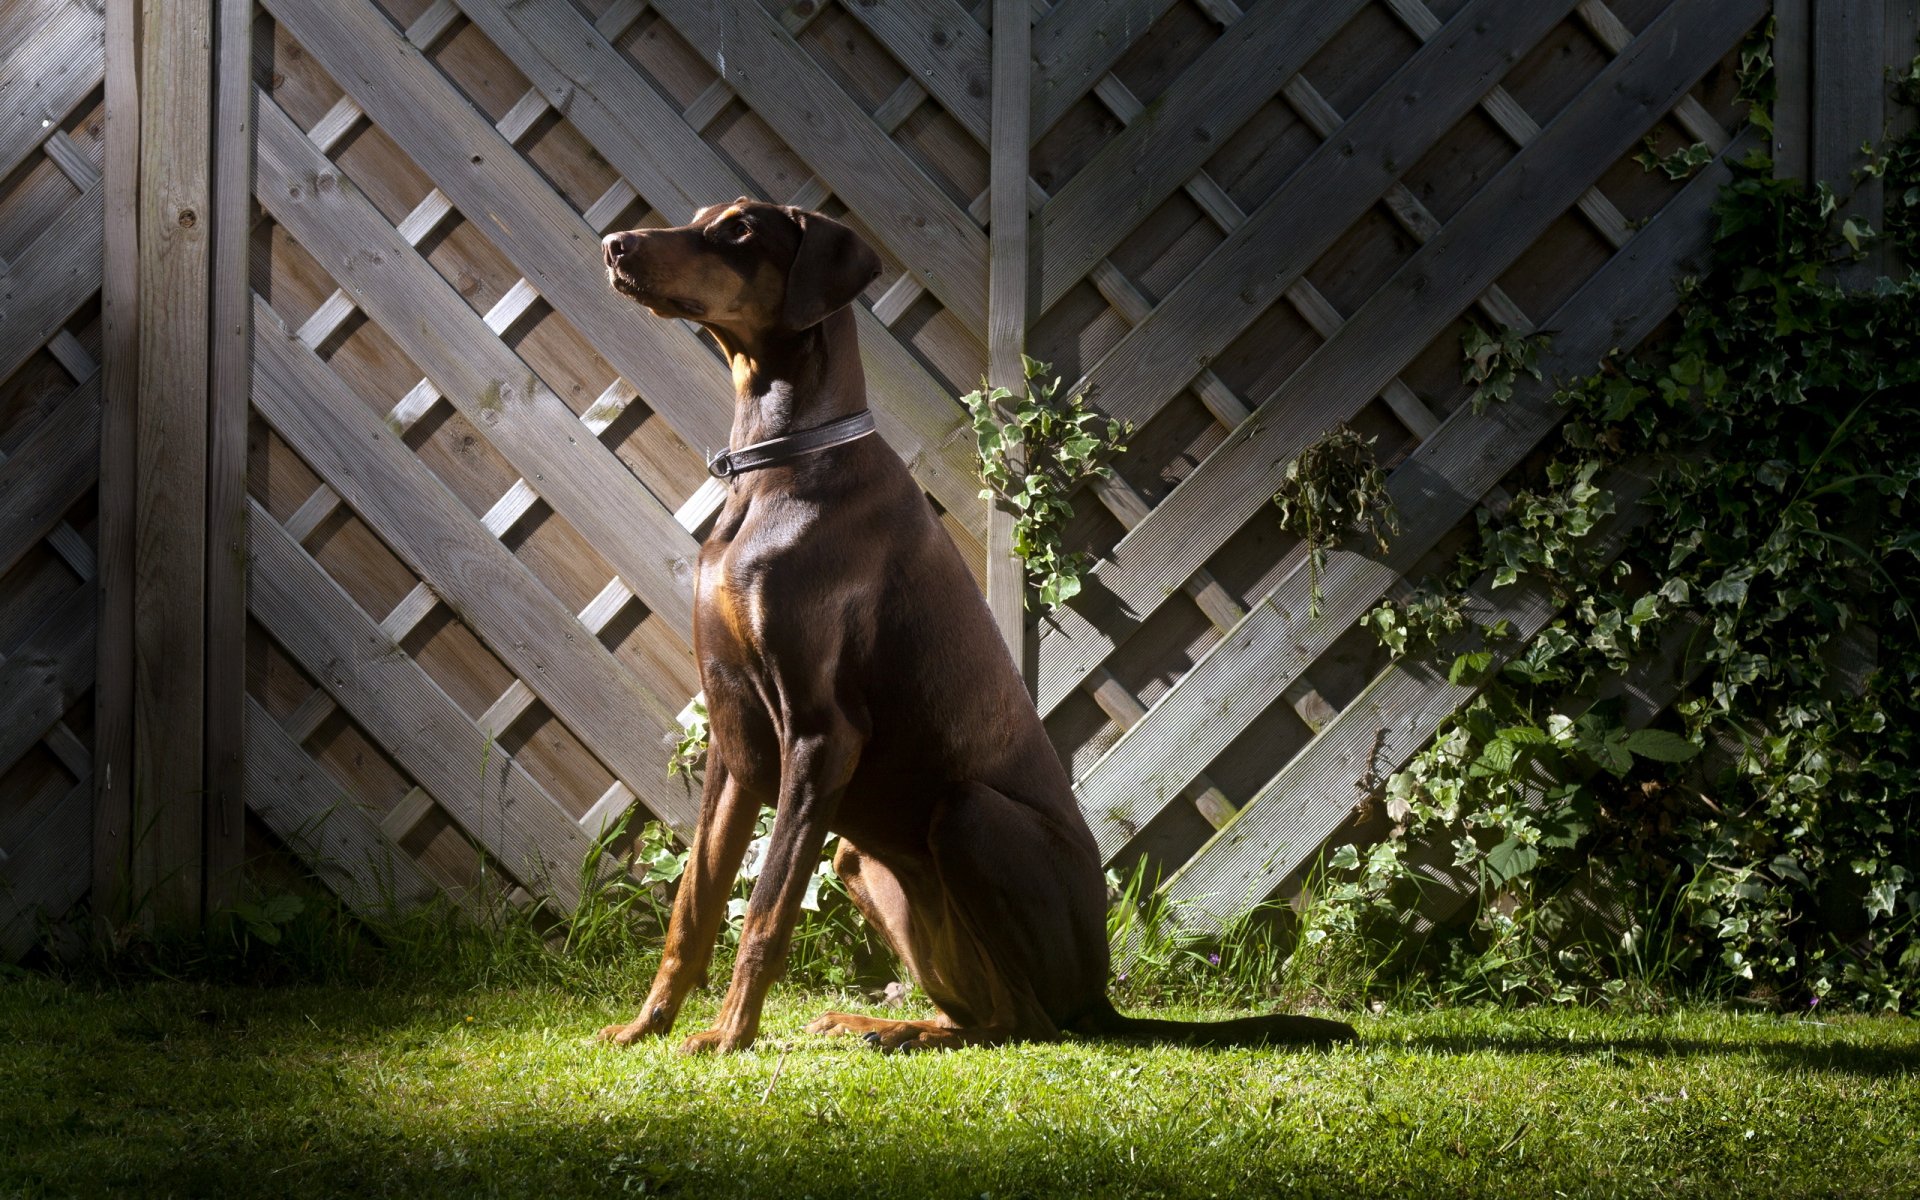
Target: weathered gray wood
1007, 301
677, 174
226, 716
49, 472
1418, 301
51, 279
1849, 114
44, 874
530, 426
493, 186
1792, 78
1161, 150
611, 710
45, 677
119, 375
490, 796
943, 49
909, 214
1433, 490
1319, 201
51, 71
169, 612
1075, 45
340, 842
1374, 736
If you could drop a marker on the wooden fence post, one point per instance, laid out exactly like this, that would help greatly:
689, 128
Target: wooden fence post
1848, 112
169, 553
1007, 303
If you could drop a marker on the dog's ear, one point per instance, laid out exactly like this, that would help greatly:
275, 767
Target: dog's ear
832, 266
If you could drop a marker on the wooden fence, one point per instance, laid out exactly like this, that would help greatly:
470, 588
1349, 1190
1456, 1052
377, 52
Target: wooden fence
389, 566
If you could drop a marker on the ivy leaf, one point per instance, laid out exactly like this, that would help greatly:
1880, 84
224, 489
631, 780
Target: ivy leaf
1509, 860
1469, 667
1661, 745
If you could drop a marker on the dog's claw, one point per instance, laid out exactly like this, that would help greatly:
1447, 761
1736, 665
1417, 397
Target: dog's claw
872, 1038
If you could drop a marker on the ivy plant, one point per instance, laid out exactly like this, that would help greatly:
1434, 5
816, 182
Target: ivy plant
1332, 488
1033, 450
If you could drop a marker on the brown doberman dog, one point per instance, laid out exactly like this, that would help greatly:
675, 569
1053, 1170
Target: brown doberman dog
856, 684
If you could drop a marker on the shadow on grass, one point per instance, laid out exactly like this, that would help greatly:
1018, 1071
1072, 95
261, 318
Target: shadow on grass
1840, 1058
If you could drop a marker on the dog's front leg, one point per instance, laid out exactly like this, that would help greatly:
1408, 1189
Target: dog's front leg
814, 769
719, 843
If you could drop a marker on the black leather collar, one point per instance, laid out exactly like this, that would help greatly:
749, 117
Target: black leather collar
728, 463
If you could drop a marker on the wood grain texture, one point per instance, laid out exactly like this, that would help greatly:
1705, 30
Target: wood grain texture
49, 472
532, 428
1075, 45
119, 376
50, 71
908, 213
604, 703
491, 797
338, 840
169, 681
1434, 489
57, 273
518, 211
1427, 292
677, 173
1167, 143
1286, 823
44, 677
231, 376
1793, 80
1320, 201
1008, 305
1847, 115
43, 876
944, 50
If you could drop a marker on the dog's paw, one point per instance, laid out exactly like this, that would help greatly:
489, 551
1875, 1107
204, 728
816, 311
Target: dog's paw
715, 1041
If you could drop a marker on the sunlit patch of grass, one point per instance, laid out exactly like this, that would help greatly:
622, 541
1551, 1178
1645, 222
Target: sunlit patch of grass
313, 1091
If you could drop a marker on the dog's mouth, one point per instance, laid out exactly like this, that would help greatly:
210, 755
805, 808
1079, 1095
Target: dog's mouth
659, 303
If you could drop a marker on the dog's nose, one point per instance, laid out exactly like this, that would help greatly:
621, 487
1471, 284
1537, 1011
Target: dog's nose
616, 246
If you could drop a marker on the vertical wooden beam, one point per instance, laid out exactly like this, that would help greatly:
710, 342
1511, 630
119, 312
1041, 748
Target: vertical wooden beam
1903, 27
120, 344
1849, 112
227, 454
1792, 52
1007, 287
170, 522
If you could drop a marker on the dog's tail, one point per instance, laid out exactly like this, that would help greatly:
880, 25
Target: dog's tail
1279, 1029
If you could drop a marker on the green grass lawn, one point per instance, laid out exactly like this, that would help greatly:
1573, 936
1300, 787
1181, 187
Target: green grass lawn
173, 1089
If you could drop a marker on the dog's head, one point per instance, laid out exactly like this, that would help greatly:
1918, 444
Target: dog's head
748, 268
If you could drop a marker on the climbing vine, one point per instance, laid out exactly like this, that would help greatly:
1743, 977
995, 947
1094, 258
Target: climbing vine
1033, 450
1332, 488
1764, 832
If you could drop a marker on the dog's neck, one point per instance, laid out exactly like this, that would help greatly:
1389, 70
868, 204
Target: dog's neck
789, 382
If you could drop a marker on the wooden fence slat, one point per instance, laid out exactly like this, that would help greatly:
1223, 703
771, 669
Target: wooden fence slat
1285, 825
169, 615
676, 173
1848, 116
493, 186
49, 472
1320, 200
45, 677
44, 874
60, 271
1155, 154
592, 692
522, 418
1008, 305
227, 454
943, 49
119, 383
315, 818
1433, 490
489, 795
1075, 45
908, 213
1418, 301
52, 70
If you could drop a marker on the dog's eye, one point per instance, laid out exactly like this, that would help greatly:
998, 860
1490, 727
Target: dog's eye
738, 230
